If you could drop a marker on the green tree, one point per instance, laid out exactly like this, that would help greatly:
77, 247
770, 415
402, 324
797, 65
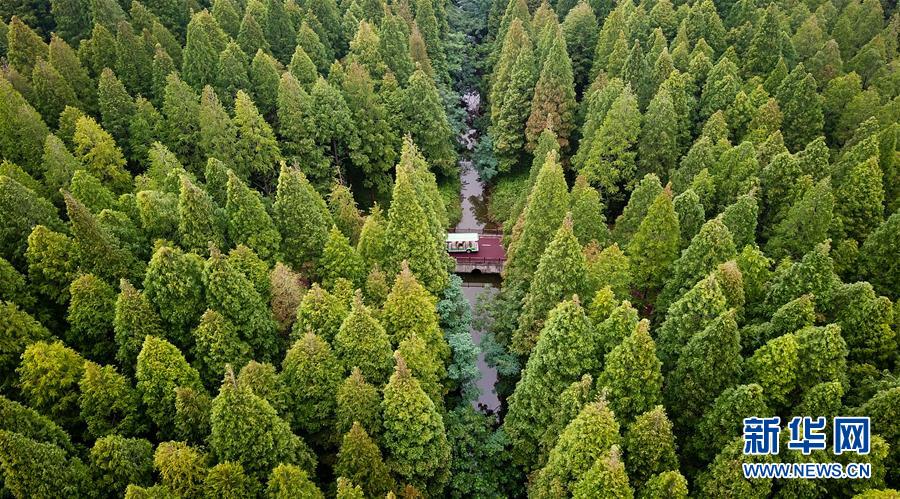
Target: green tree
802, 108
247, 430
394, 46
559, 275
295, 128
340, 260
585, 440
606, 474
426, 121
320, 312
691, 215
588, 220
181, 468
514, 106
50, 267
234, 291
363, 343
117, 462
410, 309
90, 317
59, 166
50, 91
48, 379
24, 46
98, 152
631, 375
133, 59
248, 221
667, 484
278, 30
256, 140
133, 320
33, 468
658, 148
22, 210
806, 224
311, 374
161, 368
567, 347
415, 440
639, 201
861, 192
22, 131
375, 150
250, 35
231, 75
218, 135
174, 284
109, 404
181, 110
360, 461
98, 250
649, 446
199, 224
709, 363
688, 316
655, 244
291, 482
357, 402
301, 217
217, 344
610, 163
227, 479
724, 476
581, 30
876, 262
205, 41
346, 215
553, 105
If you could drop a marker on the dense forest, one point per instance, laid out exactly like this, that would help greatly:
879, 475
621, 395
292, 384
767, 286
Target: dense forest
222, 245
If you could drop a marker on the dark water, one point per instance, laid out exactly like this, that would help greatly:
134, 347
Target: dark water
474, 218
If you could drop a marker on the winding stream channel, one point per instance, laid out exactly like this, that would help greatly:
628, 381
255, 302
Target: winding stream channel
474, 219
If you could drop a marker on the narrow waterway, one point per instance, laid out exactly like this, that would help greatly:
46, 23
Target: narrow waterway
474, 219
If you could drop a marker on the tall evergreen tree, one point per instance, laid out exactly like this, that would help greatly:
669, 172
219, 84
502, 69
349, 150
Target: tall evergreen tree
581, 30
311, 375
655, 244
231, 73
415, 440
426, 121
161, 368
205, 41
553, 105
199, 224
802, 108
256, 141
410, 309
514, 106
360, 460
631, 374
376, 149
302, 218
248, 222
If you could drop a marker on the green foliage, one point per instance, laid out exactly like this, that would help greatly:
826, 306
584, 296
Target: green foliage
414, 438
360, 461
174, 285
363, 343
302, 218
160, 369
320, 312
357, 402
288, 481
410, 309
29, 423
32, 468
181, 468
109, 404
631, 375
553, 105
22, 210
655, 244
217, 344
340, 260
249, 223
310, 374
247, 430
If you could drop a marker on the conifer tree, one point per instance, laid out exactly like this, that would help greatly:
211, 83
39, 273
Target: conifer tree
248, 222
412, 241
301, 217
568, 347
251, 37
289, 481
360, 461
199, 224
310, 374
134, 319
133, 59
345, 213
59, 166
109, 405
50, 267
711, 246
246, 429
802, 108
688, 316
814, 273
655, 244
634, 212
862, 198
514, 106
806, 223
50, 92
606, 474
690, 215
333, 130
161, 368
97, 150
302, 68
414, 439
48, 380
217, 344
631, 375
232, 291
295, 128
38, 468
279, 32
99, 251
319, 312
426, 121
588, 220
375, 150
394, 46
363, 343
610, 162
174, 284
876, 262
357, 402
658, 147
231, 73
90, 317
410, 309
205, 41
709, 363
88, 189
584, 441
580, 30
649, 447
117, 462
553, 105
24, 46
256, 141
559, 275
543, 212
22, 210
227, 15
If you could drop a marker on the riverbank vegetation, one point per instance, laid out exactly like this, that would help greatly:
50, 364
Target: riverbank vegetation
222, 233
